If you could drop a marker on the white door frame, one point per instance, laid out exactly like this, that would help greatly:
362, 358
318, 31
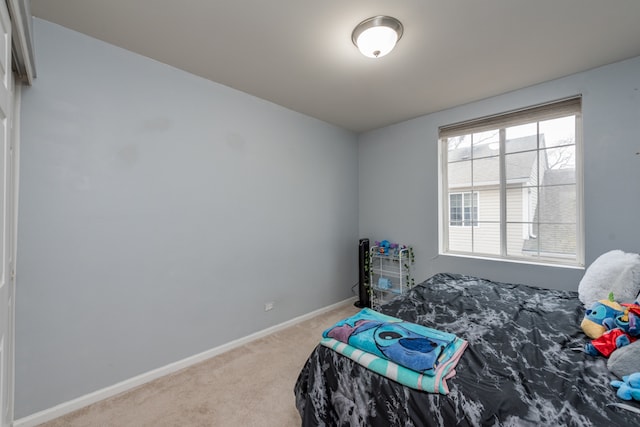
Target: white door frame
13, 163
19, 58
7, 288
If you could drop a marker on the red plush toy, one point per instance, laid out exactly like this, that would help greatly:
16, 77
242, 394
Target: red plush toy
608, 342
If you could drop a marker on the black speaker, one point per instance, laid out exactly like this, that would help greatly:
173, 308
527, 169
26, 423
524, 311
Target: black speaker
363, 274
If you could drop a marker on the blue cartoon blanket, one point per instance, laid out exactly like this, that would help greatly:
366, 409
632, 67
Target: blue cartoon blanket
414, 355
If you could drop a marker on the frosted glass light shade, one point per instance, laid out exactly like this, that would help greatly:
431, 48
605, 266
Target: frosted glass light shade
377, 36
377, 41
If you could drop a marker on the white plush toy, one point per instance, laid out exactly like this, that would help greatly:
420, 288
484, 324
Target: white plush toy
614, 271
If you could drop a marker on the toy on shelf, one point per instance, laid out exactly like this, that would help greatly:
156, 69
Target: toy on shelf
384, 283
385, 247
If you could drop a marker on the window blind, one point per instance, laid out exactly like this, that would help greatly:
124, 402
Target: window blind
547, 111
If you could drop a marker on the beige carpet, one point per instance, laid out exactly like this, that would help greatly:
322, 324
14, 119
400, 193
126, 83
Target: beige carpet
248, 386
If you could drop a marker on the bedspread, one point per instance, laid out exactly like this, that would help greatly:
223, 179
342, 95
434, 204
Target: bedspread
519, 368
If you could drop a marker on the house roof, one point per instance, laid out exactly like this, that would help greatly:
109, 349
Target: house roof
520, 163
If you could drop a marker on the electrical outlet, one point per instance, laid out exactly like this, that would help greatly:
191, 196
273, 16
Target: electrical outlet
268, 306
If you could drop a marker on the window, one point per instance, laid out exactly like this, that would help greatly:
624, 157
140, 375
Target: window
463, 211
526, 167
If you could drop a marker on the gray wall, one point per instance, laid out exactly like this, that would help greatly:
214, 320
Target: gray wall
398, 168
159, 212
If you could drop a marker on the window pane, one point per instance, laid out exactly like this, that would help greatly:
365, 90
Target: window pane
486, 144
520, 241
558, 204
557, 240
522, 204
489, 208
463, 209
455, 209
486, 238
459, 175
522, 168
470, 209
557, 132
475, 208
486, 171
460, 239
521, 138
459, 148
560, 158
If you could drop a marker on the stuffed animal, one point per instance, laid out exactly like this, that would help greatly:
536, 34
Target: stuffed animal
608, 342
383, 247
384, 283
601, 317
625, 360
386, 247
629, 321
629, 387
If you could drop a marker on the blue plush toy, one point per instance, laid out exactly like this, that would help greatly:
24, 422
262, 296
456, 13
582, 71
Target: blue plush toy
384, 247
629, 387
601, 317
384, 283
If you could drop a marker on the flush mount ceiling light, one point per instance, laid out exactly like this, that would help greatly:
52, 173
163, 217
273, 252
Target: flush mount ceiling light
377, 36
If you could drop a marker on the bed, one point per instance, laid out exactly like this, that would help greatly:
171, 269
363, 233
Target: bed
520, 368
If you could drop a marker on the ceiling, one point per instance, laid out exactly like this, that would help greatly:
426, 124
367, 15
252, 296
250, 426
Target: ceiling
299, 54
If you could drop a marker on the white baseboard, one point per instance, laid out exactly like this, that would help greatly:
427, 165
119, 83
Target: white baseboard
98, 395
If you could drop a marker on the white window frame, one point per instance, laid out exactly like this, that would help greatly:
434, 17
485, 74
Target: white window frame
541, 112
473, 220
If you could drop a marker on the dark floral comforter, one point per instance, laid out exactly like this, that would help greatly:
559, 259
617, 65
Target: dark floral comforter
520, 368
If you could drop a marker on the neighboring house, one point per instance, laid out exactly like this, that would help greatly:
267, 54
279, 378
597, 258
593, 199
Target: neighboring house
559, 198
540, 211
